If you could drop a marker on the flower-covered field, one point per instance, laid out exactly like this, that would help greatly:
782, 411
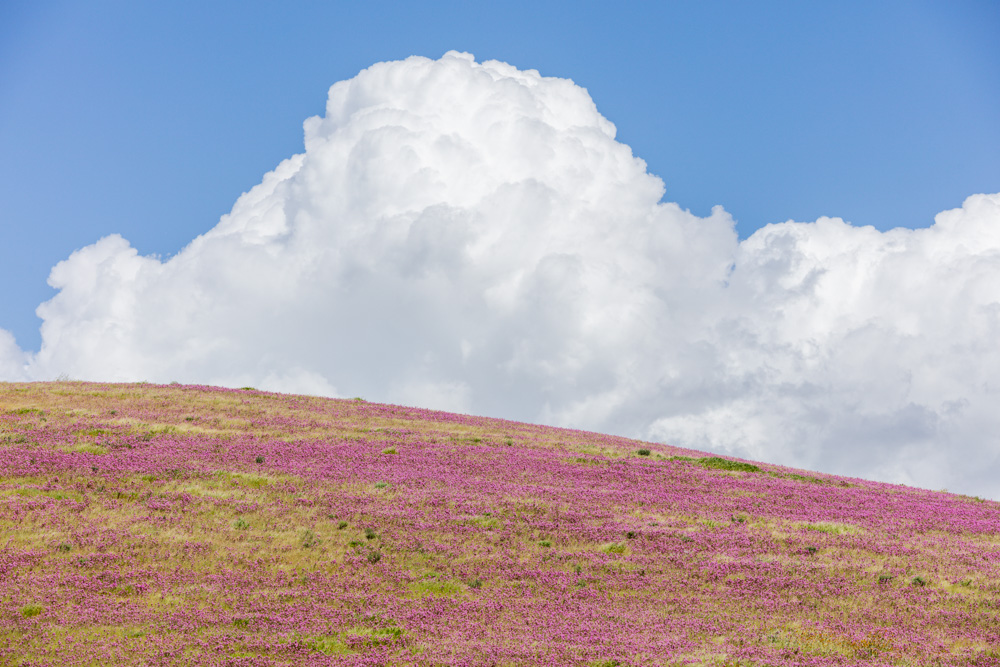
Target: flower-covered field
185, 525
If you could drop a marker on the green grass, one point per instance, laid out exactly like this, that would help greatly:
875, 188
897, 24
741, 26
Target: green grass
716, 463
88, 448
31, 610
830, 527
354, 640
433, 587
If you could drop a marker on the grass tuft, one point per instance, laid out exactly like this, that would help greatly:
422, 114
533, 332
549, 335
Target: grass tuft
31, 610
830, 527
716, 463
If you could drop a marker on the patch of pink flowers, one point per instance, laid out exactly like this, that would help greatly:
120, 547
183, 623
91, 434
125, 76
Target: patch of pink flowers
188, 525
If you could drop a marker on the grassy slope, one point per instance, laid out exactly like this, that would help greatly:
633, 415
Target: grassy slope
170, 525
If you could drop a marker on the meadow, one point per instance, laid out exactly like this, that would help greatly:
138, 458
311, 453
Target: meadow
150, 524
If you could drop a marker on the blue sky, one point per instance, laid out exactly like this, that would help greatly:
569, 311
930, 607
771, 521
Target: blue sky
150, 119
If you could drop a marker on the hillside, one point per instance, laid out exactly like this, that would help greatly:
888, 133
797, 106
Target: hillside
187, 525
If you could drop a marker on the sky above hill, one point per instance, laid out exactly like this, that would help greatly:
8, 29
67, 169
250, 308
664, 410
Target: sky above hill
562, 213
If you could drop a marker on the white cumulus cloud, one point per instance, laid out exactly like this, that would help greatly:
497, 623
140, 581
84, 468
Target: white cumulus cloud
470, 236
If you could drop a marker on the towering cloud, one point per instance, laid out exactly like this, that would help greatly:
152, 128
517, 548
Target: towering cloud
471, 237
